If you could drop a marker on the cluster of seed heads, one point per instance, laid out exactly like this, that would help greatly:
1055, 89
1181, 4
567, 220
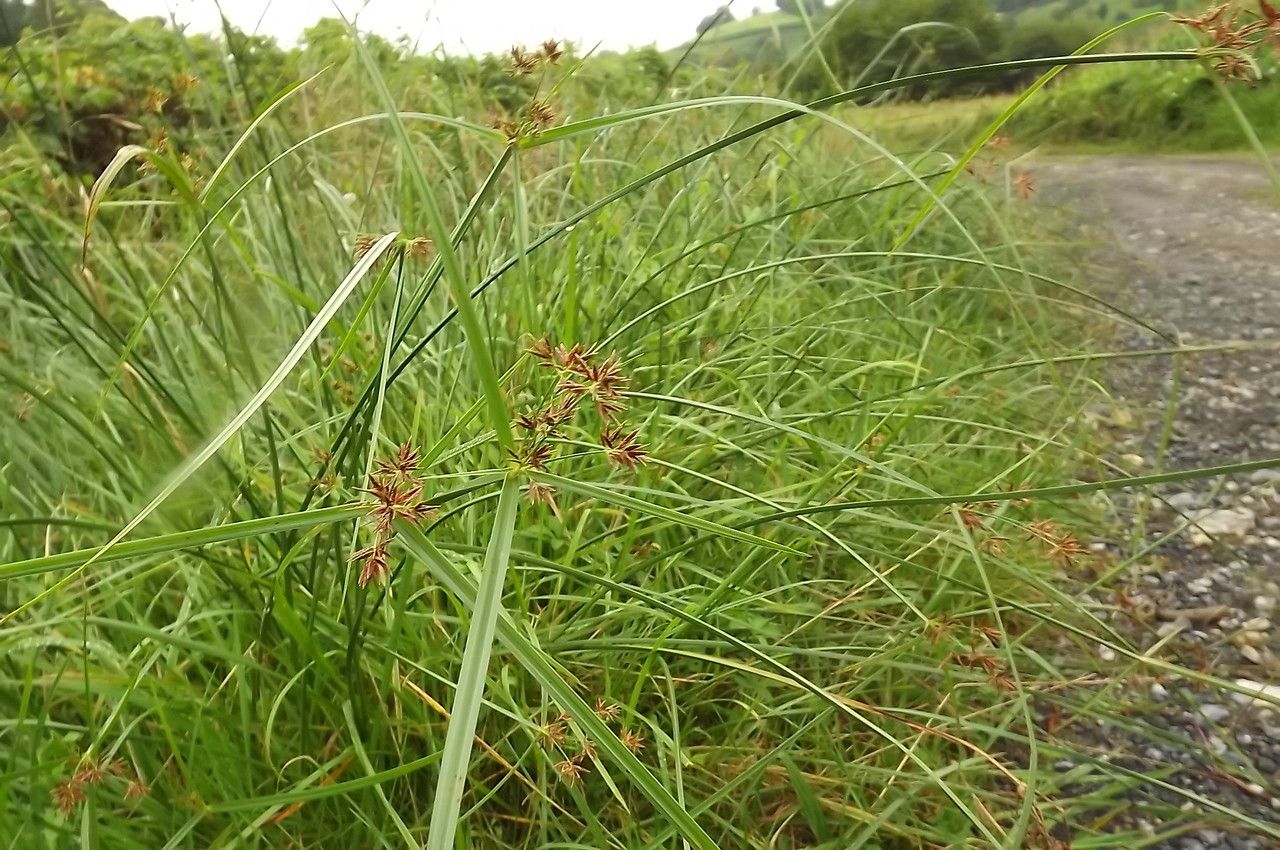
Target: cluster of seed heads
538, 114
415, 247
396, 489
1061, 547
68, 795
1241, 33
572, 766
580, 376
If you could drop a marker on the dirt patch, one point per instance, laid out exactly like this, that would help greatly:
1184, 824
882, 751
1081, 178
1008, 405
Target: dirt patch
1191, 245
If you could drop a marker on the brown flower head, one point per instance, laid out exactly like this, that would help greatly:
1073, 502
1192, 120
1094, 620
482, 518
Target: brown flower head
1235, 67
1065, 549
419, 248
552, 50
68, 796
586, 750
376, 568
554, 733
1044, 529
136, 790
364, 242
633, 741
623, 449
92, 772
522, 63
971, 518
506, 127
532, 456
403, 464
541, 115
183, 83
1024, 185
606, 710
539, 493
155, 101
993, 544
570, 771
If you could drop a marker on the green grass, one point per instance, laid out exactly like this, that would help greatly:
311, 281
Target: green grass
801, 603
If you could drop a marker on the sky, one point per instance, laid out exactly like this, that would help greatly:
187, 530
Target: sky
471, 26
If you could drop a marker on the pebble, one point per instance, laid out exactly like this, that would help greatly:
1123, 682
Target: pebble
1257, 624
1214, 713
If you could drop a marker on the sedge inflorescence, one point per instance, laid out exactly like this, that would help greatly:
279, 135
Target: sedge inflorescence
396, 488
583, 379
537, 114
1236, 35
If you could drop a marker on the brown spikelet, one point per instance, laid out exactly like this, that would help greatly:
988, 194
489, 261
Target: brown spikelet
1024, 186
539, 493
554, 733
971, 518
633, 741
523, 63
606, 710
552, 50
420, 248
570, 771
404, 463
1064, 550
364, 242
623, 449
155, 101
541, 114
68, 796
993, 544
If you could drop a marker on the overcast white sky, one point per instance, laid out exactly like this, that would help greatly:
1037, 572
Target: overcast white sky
474, 26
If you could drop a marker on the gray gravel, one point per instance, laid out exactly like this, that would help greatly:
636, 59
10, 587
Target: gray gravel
1192, 245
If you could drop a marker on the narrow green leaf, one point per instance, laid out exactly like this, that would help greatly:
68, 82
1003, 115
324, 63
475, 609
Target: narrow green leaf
485, 610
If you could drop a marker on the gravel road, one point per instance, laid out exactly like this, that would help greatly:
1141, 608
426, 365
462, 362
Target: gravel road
1192, 246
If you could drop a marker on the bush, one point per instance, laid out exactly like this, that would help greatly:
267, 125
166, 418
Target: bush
882, 39
85, 91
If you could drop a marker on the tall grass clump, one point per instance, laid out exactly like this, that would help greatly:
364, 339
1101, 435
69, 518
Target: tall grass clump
694, 475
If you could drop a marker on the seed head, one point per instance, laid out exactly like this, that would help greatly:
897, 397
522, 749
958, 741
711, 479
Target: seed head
68, 796
541, 115
1024, 186
539, 493
971, 518
1064, 550
136, 790
570, 771
633, 741
623, 449
376, 567
552, 50
403, 464
993, 544
554, 733
155, 101
606, 710
364, 242
420, 248
523, 64
184, 83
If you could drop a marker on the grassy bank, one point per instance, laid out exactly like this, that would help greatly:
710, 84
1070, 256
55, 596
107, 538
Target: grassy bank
726, 556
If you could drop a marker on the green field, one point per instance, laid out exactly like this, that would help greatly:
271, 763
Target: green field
704, 474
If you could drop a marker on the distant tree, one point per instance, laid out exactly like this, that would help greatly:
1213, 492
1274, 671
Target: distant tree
875, 40
1036, 35
715, 19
